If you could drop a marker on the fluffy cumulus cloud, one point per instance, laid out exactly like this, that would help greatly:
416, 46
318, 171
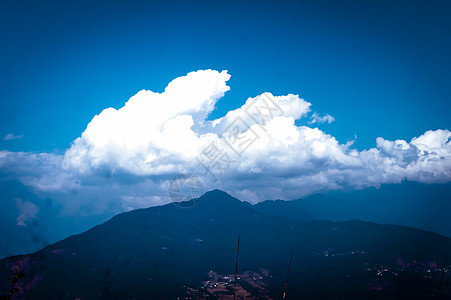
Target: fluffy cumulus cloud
256, 151
152, 133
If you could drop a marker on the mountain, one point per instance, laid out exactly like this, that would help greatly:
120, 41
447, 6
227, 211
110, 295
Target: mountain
423, 206
188, 250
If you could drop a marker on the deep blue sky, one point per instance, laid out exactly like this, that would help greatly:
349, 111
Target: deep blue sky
381, 68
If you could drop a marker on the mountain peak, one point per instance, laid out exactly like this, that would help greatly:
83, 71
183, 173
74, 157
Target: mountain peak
219, 197
216, 193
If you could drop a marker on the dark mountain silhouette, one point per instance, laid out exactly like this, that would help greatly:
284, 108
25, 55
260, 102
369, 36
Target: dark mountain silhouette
423, 206
188, 250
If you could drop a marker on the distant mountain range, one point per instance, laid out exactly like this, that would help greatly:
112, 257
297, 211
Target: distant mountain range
423, 206
188, 251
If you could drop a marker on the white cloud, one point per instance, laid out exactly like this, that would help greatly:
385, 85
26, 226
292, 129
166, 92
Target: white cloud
27, 212
151, 133
324, 119
11, 136
126, 157
42, 170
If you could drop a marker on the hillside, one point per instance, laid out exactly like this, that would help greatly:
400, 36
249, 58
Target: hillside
173, 251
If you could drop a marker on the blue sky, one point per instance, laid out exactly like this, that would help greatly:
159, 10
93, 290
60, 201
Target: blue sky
380, 71
379, 68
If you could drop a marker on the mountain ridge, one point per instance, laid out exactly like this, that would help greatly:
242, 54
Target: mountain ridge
171, 251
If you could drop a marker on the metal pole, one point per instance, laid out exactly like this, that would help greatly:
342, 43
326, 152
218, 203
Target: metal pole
286, 279
236, 266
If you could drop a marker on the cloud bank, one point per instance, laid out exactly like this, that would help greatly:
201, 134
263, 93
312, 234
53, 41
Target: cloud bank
256, 151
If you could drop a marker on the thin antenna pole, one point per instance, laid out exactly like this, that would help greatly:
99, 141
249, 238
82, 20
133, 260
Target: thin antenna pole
236, 266
441, 279
286, 279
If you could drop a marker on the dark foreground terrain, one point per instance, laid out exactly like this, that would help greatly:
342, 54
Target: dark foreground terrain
171, 252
